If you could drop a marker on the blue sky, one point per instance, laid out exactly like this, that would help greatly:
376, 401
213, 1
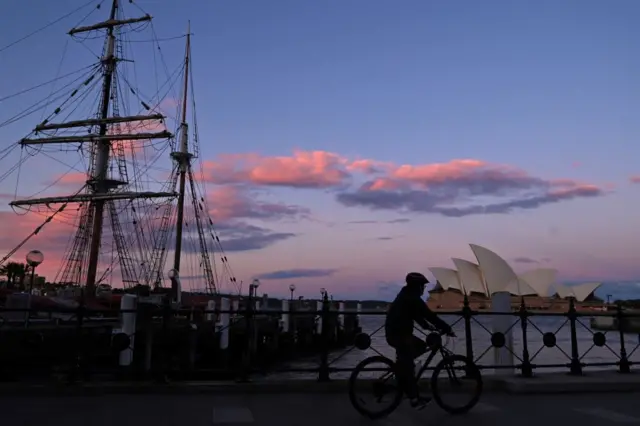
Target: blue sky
547, 87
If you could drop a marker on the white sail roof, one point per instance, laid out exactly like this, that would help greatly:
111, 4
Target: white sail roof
448, 278
519, 287
582, 291
470, 277
563, 291
541, 280
498, 275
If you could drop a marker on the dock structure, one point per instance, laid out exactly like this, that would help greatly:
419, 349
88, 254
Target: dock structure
233, 338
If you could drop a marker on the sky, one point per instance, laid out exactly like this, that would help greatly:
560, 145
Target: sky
346, 143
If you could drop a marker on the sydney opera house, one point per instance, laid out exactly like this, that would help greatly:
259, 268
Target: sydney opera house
492, 274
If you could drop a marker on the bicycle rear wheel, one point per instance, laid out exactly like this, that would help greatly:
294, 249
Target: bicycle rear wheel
458, 376
381, 385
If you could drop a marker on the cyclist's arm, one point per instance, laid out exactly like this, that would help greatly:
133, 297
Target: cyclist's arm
424, 313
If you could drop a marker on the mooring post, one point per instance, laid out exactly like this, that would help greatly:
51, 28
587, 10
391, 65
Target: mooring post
225, 321
285, 321
211, 307
129, 302
502, 337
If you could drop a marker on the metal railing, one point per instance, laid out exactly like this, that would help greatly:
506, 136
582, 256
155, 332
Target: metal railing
181, 343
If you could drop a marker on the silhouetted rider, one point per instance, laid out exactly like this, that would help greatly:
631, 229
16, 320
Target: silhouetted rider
407, 308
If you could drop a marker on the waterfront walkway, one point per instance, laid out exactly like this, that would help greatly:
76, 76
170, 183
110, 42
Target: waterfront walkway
310, 409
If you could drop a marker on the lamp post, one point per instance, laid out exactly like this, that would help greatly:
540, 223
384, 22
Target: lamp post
292, 289
609, 299
253, 288
34, 258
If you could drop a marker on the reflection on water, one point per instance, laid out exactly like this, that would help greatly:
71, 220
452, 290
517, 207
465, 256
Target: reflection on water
483, 354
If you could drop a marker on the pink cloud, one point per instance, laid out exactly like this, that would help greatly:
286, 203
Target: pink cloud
453, 188
229, 202
634, 179
304, 169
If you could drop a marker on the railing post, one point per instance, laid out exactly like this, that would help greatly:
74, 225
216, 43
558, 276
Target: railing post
624, 361
77, 350
246, 356
576, 367
323, 373
163, 376
527, 370
466, 313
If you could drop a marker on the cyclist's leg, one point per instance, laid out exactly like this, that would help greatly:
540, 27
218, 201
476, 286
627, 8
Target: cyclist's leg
405, 368
419, 346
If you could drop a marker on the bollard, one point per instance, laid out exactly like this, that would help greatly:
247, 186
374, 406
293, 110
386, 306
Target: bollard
211, 307
319, 317
235, 306
503, 357
128, 326
224, 323
358, 310
341, 314
284, 322
257, 305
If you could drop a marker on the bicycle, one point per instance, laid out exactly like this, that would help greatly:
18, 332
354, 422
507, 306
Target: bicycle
382, 388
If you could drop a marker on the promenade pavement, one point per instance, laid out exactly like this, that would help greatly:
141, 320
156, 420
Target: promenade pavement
310, 409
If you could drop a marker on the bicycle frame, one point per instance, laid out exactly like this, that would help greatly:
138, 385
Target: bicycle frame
437, 348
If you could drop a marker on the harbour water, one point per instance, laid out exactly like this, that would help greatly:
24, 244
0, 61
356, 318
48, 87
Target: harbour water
483, 353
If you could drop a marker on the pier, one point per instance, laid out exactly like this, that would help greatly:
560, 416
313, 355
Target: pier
269, 340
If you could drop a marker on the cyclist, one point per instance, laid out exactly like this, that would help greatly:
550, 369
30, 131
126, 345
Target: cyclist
408, 307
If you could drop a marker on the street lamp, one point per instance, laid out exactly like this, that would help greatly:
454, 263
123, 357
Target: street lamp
292, 289
34, 258
253, 287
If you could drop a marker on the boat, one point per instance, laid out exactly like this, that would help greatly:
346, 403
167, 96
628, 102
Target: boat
128, 213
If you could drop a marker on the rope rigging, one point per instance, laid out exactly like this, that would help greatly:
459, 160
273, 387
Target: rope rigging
140, 228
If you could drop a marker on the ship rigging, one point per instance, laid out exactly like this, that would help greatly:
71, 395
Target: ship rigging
127, 213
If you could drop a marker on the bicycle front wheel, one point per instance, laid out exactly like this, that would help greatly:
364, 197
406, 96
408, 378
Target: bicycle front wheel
373, 388
456, 384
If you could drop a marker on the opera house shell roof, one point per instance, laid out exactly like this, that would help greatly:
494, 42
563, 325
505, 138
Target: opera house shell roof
492, 274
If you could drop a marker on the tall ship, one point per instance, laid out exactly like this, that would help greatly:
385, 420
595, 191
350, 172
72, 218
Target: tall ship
125, 206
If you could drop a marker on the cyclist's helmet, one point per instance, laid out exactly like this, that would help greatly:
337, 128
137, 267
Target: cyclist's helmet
416, 279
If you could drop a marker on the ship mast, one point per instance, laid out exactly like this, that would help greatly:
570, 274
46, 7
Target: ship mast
183, 159
100, 186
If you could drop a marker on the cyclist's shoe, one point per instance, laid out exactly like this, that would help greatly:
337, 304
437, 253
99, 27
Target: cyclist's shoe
420, 402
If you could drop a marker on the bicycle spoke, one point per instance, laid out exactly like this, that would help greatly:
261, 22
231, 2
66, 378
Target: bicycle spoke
374, 396
456, 393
